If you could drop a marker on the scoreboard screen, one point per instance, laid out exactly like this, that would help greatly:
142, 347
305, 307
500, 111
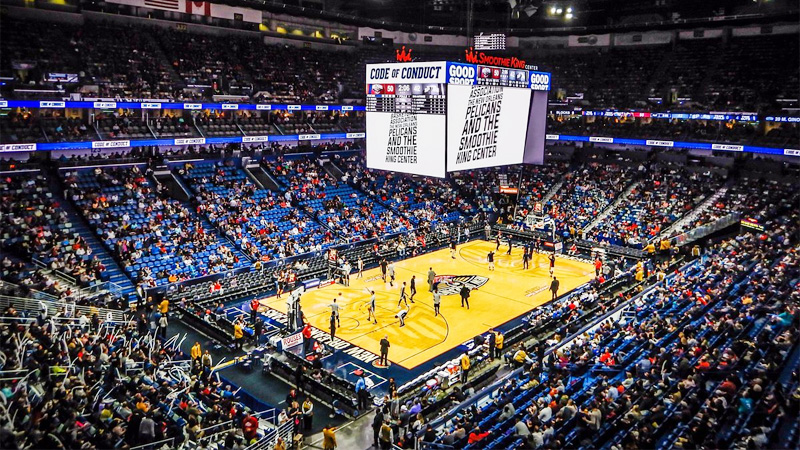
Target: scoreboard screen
417, 98
430, 118
406, 110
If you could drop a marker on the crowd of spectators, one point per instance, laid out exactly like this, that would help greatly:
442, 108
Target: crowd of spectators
678, 130
696, 365
646, 379
114, 60
662, 196
586, 191
156, 239
98, 384
34, 226
426, 201
264, 224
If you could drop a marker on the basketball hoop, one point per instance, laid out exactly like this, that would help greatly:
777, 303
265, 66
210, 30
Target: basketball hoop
535, 221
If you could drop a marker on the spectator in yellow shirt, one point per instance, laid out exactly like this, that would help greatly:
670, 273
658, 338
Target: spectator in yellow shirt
328, 438
196, 351
163, 307
498, 344
238, 334
465, 364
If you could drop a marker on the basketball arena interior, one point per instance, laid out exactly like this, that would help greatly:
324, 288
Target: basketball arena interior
399, 224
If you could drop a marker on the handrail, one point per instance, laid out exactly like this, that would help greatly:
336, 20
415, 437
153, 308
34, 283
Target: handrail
63, 276
705, 230
34, 305
268, 441
212, 436
36, 293
155, 444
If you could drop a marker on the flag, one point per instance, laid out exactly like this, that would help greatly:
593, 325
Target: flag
163, 4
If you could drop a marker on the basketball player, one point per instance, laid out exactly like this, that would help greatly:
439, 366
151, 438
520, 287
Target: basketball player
437, 300
453, 249
552, 263
403, 297
413, 287
431, 278
402, 316
371, 308
554, 287
281, 282
490, 258
497, 241
360, 267
391, 274
346, 269
526, 259
383, 265
509, 245
335, 312
333, 326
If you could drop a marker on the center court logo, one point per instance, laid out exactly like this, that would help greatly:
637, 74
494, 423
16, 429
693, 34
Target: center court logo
451, 284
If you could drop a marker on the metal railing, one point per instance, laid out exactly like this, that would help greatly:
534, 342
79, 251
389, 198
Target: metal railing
63, 276
67, 308
39, 295
81, 292
705, 230
164, 443
270, 438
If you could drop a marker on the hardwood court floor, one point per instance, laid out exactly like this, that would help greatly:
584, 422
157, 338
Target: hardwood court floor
508, 293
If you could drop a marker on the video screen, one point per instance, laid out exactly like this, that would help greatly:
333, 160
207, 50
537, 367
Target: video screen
403, 142
491, 126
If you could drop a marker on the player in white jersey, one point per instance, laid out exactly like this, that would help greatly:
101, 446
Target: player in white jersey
335, 311
437, 300
402, 316
390, 271
403, 297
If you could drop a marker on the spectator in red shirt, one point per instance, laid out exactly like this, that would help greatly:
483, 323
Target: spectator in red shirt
477, 436
249, 427
306, 338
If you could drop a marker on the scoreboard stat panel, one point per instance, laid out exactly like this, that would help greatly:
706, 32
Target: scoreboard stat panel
416, 98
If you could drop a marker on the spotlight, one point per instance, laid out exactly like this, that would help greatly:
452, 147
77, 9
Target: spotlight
569, 10
552, 10
568, 16
559, 11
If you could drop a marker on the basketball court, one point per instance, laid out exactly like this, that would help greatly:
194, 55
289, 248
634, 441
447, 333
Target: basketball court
501, 295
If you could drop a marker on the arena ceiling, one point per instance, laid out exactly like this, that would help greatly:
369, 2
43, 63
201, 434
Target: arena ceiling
499, 15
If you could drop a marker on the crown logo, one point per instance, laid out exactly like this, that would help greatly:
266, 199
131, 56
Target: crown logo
471, 55
402, 55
